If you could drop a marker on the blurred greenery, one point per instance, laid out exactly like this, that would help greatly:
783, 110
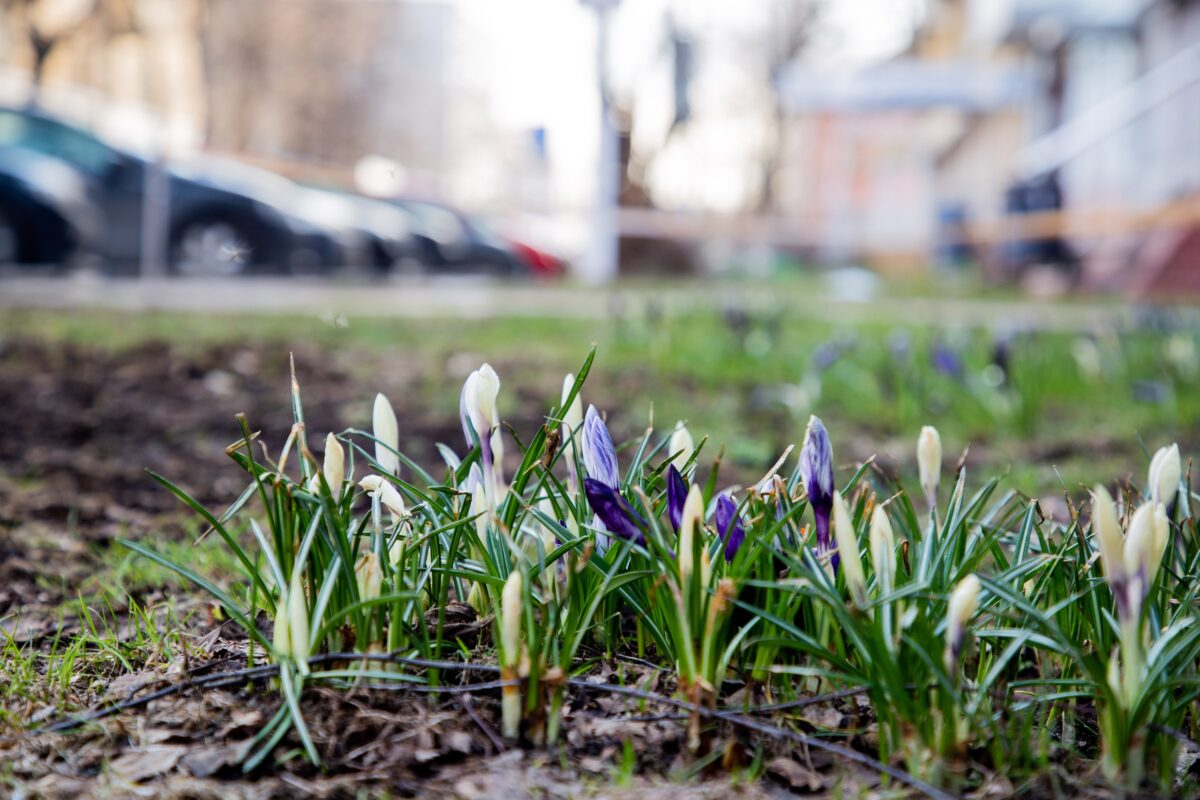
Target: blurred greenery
1056, 408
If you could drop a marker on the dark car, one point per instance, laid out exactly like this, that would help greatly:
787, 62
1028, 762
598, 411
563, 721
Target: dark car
64, 195
445, 240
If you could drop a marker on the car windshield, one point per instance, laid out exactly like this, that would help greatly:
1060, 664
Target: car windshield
55, 139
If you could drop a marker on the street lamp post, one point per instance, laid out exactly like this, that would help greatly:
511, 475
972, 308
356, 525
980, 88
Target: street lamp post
601, 261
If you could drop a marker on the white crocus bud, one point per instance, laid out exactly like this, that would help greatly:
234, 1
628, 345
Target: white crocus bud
387, 436
1107, 529
1146, 542
964, 600
334, 465
883, 551
511, 600
369, 575
479, 400
479, 510
847, 548
1165, 471
572, 415
691, 523
389, 497
291, 624
681, 446
929, 461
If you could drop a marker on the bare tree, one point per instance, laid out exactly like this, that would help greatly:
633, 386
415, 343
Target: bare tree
50, 23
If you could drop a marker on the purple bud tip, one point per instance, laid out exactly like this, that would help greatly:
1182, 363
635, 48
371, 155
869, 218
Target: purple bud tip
614, 511
729, 526
599, 454
816, 466
676, 495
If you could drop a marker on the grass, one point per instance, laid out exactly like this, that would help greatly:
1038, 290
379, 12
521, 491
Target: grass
1068, 409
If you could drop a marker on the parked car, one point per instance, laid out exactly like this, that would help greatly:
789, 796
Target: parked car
66, 195
445, 240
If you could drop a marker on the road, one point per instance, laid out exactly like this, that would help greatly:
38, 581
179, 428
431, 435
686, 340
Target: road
476, 298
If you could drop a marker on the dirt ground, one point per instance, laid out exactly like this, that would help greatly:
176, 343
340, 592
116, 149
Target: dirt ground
84, 425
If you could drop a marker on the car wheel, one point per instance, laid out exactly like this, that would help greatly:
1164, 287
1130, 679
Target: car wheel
211, 248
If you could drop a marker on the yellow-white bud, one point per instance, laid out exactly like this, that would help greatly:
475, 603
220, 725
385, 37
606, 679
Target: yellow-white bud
964, 600
479, 399
929, 460
691, 522
389, 497
572, 415
334, 465
387, 435
847, 548
369, 575
1107, 530
1146, 541
511, 600
1166, 469
681, 445
291, 624
479, 510
883, 550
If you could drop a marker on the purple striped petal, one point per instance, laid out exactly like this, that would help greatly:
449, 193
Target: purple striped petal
599, 454
816, 467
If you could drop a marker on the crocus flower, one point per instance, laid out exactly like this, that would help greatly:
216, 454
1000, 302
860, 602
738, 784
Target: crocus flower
481, 423
947, 361
1143, 551
847, 549
291, 624
964, 600
729, 526
1107, 530
572, 418
369, 576
334, 465
387, 437
883, 551
389, 497
677, 490
691, 524
681, 445
816, 470
599, 453
929, 462
613, 511
1165, 472
511, 600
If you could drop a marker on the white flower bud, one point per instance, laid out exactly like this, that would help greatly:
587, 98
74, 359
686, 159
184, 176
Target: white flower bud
691, 522
1165, 471
389, 497
681, 446
334, 465
929, 461
883, 550
1146, 542
1107, 530
964, 601
369, 575
848, 554
387, 435
510, 619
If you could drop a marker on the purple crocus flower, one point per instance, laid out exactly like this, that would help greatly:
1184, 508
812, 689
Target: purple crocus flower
676, 494
599, 453
729, 526
614, 511
816, 470
947, 361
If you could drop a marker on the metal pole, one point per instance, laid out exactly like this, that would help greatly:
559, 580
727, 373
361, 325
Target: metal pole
600, 265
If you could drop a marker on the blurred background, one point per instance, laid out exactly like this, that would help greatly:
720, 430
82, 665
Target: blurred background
1048, 144
980, 214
